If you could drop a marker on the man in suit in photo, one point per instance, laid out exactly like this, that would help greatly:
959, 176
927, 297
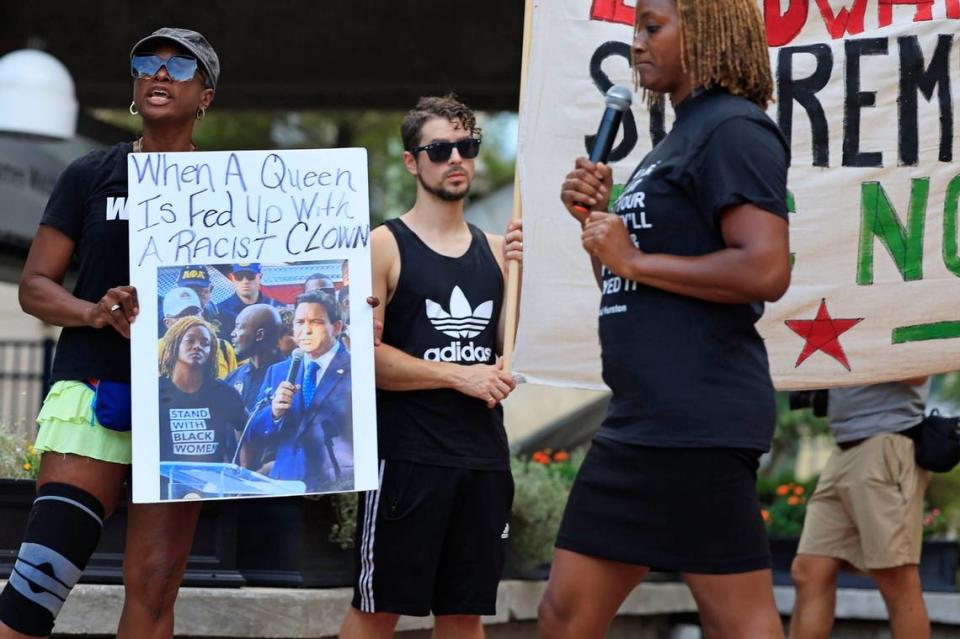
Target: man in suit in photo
309, 421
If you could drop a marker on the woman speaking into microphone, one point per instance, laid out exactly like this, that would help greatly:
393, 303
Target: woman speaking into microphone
689, 253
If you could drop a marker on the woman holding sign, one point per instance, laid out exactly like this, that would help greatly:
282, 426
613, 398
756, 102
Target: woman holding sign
84, 433
694, 246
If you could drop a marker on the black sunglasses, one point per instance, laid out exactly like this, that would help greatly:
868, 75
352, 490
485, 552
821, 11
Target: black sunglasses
468, 148
180, 68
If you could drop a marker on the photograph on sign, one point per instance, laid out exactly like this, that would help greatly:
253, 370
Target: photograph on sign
224, 437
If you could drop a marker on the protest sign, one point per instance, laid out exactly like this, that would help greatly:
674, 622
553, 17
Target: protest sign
222, 248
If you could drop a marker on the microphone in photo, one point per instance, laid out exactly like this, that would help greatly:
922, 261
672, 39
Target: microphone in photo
618, 100
296, 359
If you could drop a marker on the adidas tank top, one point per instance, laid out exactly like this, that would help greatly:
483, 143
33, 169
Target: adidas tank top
444, 309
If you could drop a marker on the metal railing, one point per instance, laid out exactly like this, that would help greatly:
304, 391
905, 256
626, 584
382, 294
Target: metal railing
25, 367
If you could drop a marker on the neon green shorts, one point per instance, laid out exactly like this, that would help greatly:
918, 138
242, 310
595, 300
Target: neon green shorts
68, 425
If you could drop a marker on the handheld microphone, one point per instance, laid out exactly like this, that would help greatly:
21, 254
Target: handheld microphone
618, 100
296, 358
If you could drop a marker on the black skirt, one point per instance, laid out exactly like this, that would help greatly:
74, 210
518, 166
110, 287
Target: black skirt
691, 510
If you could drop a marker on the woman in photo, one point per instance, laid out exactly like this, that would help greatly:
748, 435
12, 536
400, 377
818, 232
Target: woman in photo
85, 450
692, 249
200, 415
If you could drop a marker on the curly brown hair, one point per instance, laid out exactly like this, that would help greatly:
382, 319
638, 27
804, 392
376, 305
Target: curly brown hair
170, 345
723, 43
448, 106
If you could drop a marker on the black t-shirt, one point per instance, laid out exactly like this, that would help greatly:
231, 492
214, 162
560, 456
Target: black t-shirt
201, 426
686, 372
443, 309
89, 205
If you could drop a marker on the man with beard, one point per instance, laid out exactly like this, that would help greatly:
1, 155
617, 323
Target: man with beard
435, 544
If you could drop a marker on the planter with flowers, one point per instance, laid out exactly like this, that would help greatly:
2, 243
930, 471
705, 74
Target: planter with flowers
542, 485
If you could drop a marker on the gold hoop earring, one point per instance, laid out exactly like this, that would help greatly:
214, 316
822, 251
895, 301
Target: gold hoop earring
133, 108
201, 113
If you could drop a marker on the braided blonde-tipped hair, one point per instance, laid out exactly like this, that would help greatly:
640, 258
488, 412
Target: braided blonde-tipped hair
723, 43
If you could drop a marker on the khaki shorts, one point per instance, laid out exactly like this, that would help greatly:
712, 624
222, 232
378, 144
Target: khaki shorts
867, 508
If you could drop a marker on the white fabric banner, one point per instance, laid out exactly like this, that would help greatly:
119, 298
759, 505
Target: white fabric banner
865, 94
273, 220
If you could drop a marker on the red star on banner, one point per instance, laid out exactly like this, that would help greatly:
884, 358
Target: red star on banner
823, 334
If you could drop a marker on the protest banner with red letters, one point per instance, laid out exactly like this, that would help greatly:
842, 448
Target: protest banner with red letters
865, 94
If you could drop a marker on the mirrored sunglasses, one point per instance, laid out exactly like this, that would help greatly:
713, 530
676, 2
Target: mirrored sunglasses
180, 68
468, 148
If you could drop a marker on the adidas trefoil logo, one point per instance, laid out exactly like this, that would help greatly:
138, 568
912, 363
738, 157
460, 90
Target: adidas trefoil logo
462, 320
506, 532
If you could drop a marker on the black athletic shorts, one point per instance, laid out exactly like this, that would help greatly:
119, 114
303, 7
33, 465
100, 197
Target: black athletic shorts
689, 510
432, 539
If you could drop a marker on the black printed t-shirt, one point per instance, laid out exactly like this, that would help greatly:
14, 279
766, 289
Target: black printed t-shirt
89, 205
201, 426
687, 372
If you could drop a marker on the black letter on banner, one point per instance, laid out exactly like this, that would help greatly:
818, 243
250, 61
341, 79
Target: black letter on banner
856, 99
602, 82
805, 91
913, 77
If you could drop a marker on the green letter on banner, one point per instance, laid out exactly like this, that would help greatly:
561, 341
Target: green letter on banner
878, 218
950, 257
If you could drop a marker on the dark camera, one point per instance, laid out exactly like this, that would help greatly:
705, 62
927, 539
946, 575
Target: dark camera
815, 400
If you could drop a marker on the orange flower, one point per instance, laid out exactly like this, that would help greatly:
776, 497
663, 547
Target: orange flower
765, 514
27, 466
783, 489
793, 500
561, 456
798, 490
541, 457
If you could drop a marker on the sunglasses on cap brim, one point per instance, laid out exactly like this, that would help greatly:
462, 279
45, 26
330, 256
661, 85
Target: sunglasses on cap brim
180, 68
468, 148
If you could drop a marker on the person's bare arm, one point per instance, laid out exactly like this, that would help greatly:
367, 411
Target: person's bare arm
399, 371
42, 293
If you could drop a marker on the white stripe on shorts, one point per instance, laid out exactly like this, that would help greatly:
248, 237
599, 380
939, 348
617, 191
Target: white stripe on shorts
365, 581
